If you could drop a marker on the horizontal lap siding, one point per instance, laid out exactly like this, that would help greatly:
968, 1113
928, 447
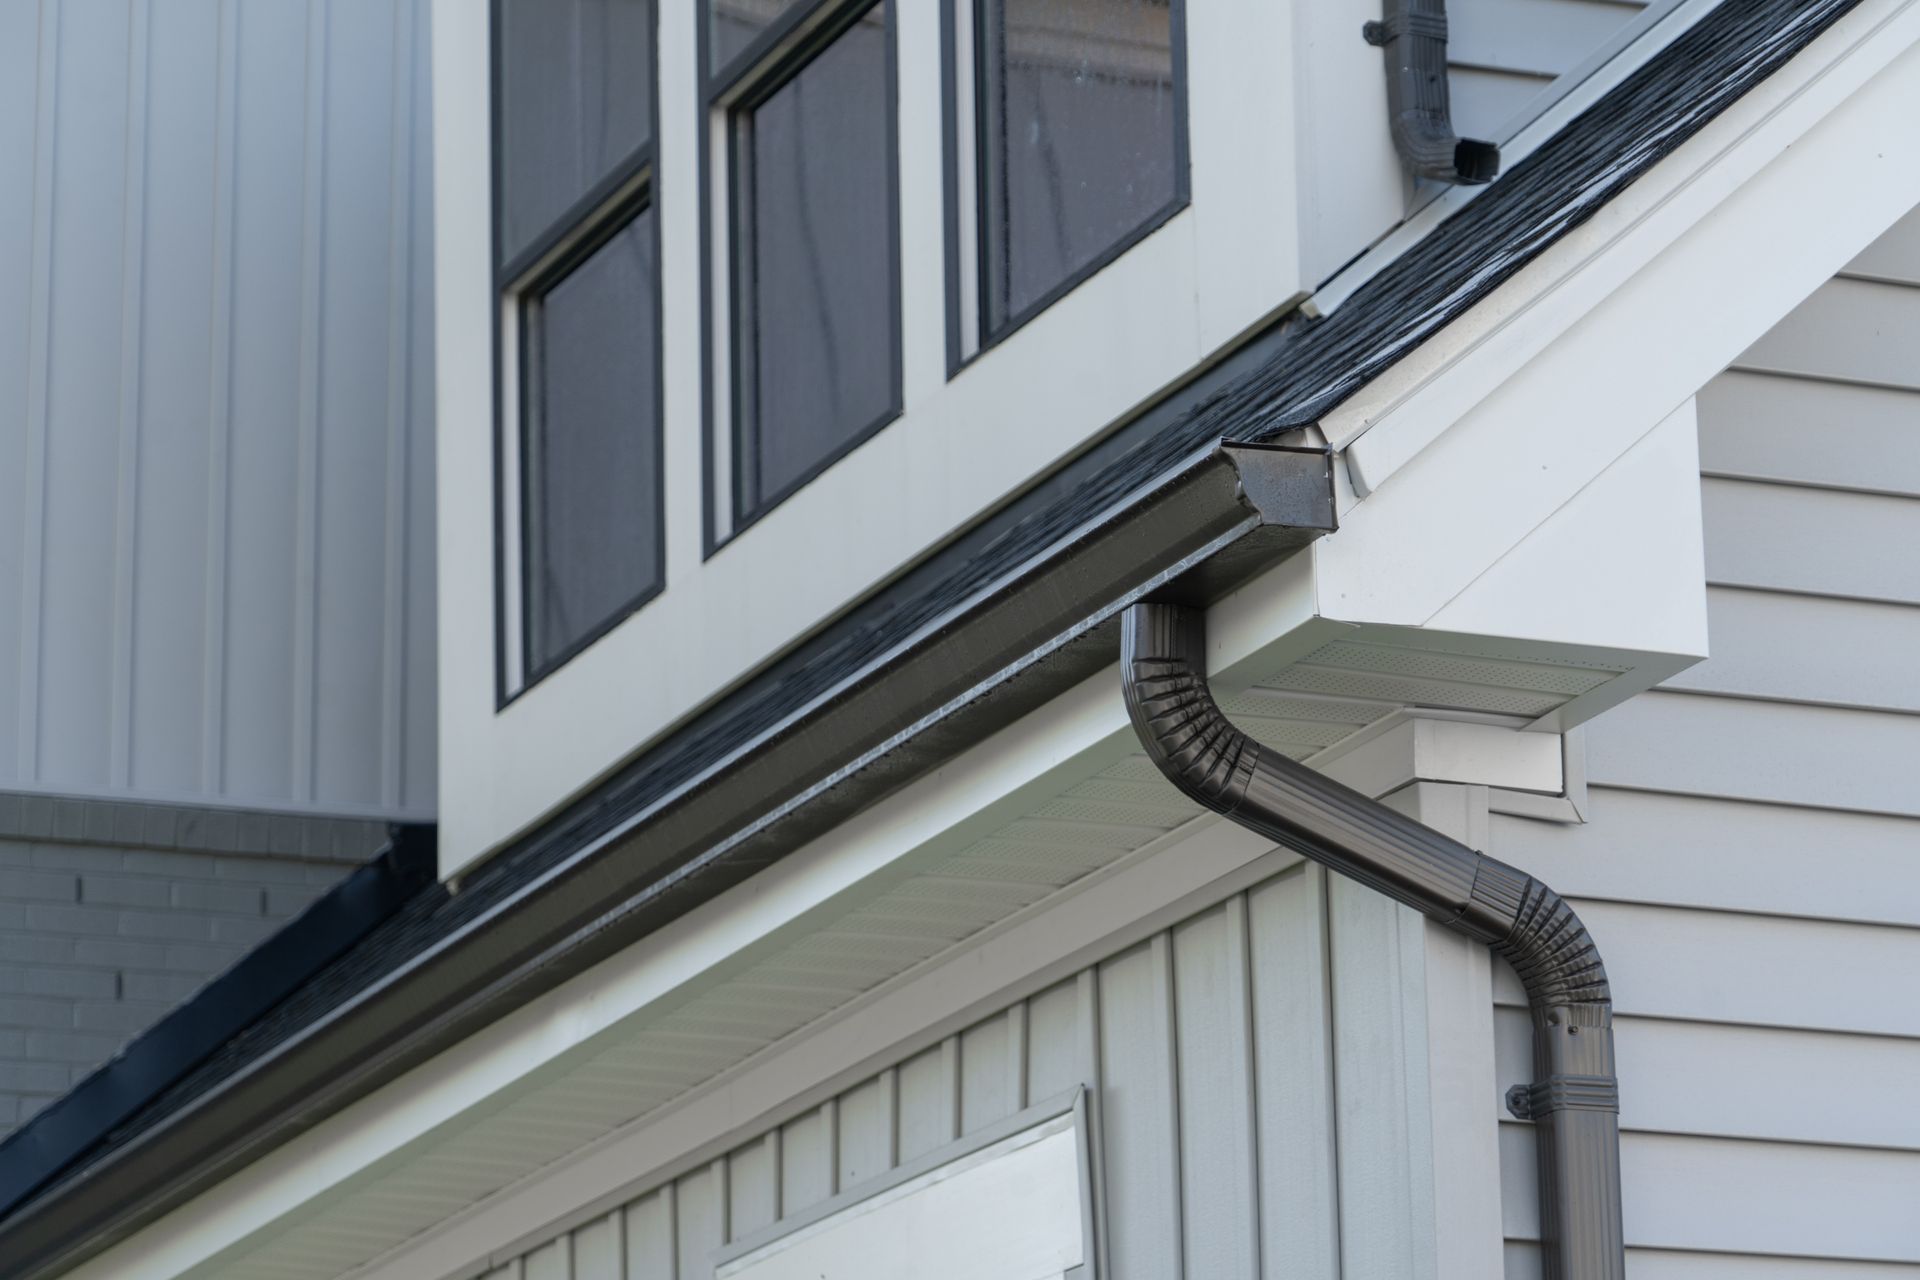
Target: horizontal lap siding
1206, 1051
1752, 867
1503, 53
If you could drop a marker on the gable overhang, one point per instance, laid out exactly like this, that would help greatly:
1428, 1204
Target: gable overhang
1510, 492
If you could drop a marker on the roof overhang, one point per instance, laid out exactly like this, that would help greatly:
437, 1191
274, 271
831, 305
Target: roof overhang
1548, 424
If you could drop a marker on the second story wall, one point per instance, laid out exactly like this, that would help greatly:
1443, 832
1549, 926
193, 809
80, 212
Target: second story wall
785, 295
216, 403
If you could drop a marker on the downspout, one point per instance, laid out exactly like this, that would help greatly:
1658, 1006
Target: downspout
1574, 1101
1414, 36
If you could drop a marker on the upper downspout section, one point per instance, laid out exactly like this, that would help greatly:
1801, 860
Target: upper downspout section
1574, 1100
1414, 36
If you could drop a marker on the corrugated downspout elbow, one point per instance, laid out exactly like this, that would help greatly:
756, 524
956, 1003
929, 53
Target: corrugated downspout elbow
1414, 36
1574, 1100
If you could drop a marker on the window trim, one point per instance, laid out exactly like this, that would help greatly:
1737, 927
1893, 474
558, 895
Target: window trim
987, 337
753, 76
629, 189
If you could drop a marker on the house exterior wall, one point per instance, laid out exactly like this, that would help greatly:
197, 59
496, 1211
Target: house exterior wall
105, 926
1207, 1049
1749, 864
216, 404
1502, 54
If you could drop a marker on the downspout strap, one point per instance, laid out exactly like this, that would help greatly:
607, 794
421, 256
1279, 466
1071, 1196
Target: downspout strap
1564, 1093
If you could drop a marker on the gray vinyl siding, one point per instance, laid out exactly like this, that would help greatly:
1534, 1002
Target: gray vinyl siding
1503, 53
216, 499
1751, 865
1206, 1049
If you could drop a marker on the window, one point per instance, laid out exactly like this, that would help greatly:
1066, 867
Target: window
805, 96
1073, 114
576, 248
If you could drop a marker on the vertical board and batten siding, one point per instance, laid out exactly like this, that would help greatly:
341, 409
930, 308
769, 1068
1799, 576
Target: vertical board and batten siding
1752, 867
216, 403
1207, 1051
1501, 54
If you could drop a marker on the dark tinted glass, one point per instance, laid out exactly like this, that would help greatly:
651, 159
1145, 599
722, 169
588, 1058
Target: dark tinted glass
733, 24
575, 99
818, 336
1078, 114
593, 469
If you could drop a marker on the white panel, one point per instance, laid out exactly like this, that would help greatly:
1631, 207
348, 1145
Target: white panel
649, 1231
1758, 750
25, 42
1855, 330
1763, 427
1138, 1114
700, 1226
1814, 540
1678, 850
1664, 1060
987, 1086
1381, 1084
1212, 1004
1810, 649
929, 1114
1751, 1197
82, 410
1895, 255
865, 1144
1758, 970
596, 1251
1013, 1210
1293, 1061
217, 582
1546, 36
1486, 101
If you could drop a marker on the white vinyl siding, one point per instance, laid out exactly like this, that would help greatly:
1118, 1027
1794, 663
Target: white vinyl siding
1206, 1051
216, 403
1750, 865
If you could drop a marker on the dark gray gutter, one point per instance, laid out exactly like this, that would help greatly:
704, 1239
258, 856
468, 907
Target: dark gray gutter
1223, 515
1574, 1100
1413, 35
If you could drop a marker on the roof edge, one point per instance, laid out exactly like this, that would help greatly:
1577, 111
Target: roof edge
37, 1153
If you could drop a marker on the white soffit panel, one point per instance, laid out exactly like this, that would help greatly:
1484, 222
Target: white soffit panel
1017, 1208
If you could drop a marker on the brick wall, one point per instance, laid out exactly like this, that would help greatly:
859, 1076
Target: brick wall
97, 940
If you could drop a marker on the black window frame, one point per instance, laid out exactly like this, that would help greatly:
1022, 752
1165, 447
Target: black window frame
766, 65
629, 189
974, 151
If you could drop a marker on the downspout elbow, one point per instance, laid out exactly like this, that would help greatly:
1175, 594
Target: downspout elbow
1574, 1100
1414, 37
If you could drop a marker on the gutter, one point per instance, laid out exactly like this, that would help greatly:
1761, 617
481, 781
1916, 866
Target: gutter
1574, 1100
1413, 35
605, 880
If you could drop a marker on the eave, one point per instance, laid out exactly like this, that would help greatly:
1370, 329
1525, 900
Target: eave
461, 973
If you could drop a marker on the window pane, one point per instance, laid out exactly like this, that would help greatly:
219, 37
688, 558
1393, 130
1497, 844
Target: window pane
576, 99
820, 345
1079, 121
733, 24
593, 481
